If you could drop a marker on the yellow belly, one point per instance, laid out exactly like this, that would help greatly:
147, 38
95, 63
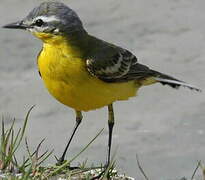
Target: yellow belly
70, 83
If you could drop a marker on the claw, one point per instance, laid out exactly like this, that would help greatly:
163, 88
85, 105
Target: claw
60, 161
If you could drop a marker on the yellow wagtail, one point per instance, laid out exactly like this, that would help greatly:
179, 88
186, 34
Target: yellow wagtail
82, 71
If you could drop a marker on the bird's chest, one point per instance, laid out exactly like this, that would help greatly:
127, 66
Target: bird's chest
63, 76
68, 80
54, 65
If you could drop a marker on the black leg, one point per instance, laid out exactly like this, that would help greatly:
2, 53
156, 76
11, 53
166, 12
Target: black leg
110, 126
79, 118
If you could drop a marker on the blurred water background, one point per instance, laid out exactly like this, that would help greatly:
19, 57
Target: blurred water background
165, 127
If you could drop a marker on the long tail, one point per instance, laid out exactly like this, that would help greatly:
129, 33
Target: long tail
170, 81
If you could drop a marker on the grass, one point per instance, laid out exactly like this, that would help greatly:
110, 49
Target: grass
30, 167
31, 164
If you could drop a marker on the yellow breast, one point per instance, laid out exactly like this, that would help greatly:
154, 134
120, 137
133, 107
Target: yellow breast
68, 80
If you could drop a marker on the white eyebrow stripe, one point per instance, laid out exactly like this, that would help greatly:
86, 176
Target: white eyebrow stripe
47, 19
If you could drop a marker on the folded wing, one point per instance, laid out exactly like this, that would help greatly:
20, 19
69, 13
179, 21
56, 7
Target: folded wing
113, 64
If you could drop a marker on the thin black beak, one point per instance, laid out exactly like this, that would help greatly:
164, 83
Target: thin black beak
16, 25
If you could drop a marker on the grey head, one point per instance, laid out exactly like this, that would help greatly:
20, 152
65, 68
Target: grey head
50, 17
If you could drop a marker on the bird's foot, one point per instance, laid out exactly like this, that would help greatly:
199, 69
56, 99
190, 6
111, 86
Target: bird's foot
61, 161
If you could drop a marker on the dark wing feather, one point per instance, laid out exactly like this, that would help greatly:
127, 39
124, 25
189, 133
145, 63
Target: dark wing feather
111, 64
114, 64
136, 72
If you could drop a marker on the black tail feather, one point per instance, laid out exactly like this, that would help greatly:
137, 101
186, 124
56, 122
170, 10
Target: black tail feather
170, 81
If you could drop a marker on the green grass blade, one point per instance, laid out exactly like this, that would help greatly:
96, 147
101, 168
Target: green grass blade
24, 128
47, 155
2, 156
17, 136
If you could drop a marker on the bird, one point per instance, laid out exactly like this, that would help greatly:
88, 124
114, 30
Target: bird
84, 72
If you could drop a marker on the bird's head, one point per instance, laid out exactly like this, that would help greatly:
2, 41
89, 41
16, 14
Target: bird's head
48, 20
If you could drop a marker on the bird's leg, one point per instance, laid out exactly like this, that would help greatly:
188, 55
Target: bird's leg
79, 118
110, 126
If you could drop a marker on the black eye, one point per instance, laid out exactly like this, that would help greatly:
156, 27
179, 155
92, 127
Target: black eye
39, 22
